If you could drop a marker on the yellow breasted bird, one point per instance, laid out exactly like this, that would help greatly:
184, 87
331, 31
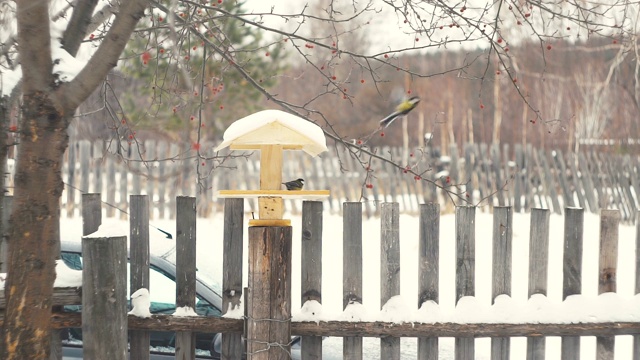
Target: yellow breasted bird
296, 184
401, 110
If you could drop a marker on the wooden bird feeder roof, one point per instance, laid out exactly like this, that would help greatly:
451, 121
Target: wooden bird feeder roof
271, 132
274, 127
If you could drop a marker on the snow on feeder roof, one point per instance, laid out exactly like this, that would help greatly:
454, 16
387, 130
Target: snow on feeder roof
269, 127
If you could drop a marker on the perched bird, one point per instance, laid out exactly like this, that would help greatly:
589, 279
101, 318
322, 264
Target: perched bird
296, 184
401, 110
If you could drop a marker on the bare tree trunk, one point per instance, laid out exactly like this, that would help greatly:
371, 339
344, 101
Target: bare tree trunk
34, 231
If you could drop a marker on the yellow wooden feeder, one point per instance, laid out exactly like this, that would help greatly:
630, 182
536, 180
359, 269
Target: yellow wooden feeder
271, 132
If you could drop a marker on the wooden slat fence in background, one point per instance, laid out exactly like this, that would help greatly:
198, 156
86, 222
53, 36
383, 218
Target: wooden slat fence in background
479, 174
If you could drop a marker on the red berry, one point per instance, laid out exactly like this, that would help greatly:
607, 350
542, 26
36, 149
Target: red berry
481, 106
91, 37
498, 72
417, 177
186, 57
359, 142
267, 54
175, 109
527, 14
195, 48
145, 57
221, 107
13, 128
417, 39
382, 133
386, 56
195, 146
192, 118
195, 93
130, 136
500, 41
333, 77
160, 18
161, 51
124, 121
362, 81
408, 91
448, 179
548, 47
411, 155
219, 1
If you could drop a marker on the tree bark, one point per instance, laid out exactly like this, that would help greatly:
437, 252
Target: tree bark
34, 238
34, 229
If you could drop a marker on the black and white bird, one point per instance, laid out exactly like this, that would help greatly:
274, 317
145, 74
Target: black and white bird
296, 184
401, 110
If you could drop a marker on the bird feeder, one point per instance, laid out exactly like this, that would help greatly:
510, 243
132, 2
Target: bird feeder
271, 132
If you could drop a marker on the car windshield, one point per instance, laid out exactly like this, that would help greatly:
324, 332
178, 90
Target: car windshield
163, 301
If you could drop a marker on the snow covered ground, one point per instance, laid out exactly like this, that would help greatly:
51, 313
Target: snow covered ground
625, 305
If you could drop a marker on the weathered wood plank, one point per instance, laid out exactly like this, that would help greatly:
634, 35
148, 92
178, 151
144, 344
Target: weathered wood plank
352, 270
139, 274
389, 269
269, 305
311, 268
185, 270
91, 213
572, 271
538, 271
609, 222
502, 250
232, 245
209, 324
465, 271
428, 278
104, 298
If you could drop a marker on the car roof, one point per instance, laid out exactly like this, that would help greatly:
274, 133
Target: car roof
203, 289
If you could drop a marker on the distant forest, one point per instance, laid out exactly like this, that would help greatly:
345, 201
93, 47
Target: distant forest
573, 91
566, 96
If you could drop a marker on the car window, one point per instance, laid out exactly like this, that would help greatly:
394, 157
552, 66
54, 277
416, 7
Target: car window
162, 292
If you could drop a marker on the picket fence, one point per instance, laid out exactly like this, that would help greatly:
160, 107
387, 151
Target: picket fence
267, 342
474, 174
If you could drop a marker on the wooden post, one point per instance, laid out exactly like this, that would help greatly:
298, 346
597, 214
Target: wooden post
269, 305
389, 269
91, 213
609, 222
572, 272
139, 255
428, 252
352, 270
232, 347
270, 179
502, 250
85, 165
538, 270
636, 338
185, 270
465, 270
104, 297
311, 267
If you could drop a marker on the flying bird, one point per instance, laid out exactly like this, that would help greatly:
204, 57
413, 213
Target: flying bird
401, 110
296, 184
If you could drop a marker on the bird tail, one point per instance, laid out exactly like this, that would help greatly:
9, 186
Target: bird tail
389, 119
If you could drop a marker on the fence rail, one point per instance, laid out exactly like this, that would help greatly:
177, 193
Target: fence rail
481, 174
429, 257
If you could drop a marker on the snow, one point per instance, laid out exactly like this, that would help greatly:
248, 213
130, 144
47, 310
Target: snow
184, 311
65, 276
141, 303
311, 311
236, 312
110, 229
315, 144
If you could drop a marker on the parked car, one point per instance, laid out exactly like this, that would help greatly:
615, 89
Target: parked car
162, 292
